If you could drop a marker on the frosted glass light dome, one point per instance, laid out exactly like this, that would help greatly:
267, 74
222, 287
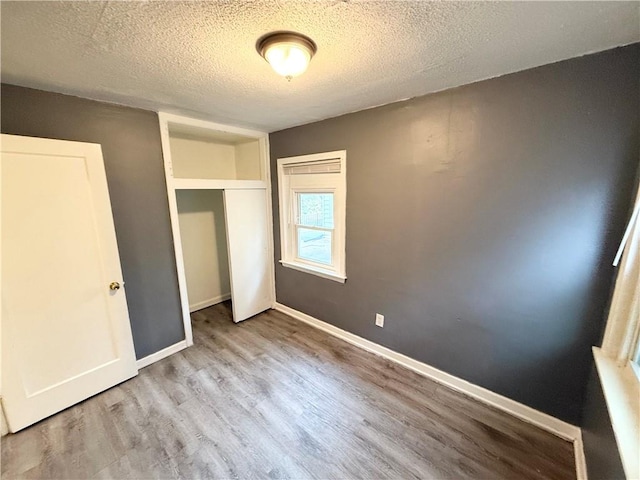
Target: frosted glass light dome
288, 53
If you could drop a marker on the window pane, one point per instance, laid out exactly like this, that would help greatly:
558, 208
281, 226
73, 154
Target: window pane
314, 245
316, 209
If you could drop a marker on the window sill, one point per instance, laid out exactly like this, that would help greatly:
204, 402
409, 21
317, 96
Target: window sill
315, 271
621, 391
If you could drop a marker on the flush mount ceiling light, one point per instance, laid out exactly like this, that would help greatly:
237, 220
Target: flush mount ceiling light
288, 53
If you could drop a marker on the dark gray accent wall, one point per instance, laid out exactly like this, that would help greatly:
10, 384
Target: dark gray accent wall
482, 222
131, 147
600, 448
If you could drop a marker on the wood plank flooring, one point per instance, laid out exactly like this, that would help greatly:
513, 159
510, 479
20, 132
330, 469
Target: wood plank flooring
274, 398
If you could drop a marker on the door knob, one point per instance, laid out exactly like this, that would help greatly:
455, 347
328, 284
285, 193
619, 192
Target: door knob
114, 286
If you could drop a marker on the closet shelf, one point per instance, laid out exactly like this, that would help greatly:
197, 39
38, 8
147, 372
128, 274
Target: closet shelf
208, 184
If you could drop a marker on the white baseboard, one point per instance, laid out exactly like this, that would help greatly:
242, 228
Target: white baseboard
551, 424
165, 352
209, 302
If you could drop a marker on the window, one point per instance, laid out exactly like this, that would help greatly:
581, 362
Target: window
622, 335
312, 192
635, 360
618, 358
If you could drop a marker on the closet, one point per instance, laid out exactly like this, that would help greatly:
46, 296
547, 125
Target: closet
220, 205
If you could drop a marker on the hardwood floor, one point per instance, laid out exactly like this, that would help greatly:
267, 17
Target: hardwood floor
275, 398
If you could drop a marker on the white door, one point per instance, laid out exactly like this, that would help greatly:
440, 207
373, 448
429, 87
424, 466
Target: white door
248, 246
65, 333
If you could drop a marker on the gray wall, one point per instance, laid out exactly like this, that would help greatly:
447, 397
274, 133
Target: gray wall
482, 222
130, 140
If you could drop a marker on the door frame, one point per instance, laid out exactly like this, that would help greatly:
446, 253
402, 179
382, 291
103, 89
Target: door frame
174, 184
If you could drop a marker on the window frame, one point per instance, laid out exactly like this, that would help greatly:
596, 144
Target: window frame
621, 339
296, 225
617, 359
288, 190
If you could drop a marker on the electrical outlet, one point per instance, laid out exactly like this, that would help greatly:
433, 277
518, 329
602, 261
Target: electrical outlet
379, 320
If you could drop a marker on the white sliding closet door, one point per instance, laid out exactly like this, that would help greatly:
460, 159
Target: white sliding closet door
248, 246
65, 325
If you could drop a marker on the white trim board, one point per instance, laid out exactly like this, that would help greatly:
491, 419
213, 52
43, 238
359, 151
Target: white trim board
4, 427
209, 302
159, 355
530, 415
621, 392
581, 461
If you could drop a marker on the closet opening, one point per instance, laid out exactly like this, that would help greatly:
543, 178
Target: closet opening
204, 247
220, 207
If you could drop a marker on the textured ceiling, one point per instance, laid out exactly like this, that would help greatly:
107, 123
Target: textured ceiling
199, 58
